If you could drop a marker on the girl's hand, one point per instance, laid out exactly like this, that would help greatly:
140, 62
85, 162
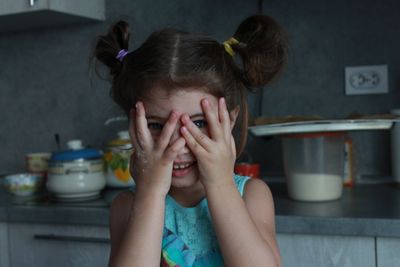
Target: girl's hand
215, 154
152, 160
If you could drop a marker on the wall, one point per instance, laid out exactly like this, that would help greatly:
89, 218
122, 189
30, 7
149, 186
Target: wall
45, 80
46, 85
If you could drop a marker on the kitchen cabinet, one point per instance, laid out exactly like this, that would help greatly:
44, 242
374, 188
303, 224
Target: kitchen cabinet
4, 256
58, 245
299, 250
27, 14
388, 251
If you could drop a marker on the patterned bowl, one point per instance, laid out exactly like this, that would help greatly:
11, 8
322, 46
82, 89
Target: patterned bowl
22, 184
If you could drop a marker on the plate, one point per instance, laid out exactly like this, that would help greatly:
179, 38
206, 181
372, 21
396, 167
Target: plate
341, 125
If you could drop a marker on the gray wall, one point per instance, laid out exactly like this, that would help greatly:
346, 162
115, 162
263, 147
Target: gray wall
45, 84
45, 81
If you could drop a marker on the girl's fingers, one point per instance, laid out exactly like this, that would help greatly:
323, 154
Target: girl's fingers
233, 147
196, 140
224, 118
211, 114
132, 129
167, 131
143, 134
172, 152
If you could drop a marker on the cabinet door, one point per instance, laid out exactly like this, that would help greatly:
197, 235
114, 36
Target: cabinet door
16, 15
8, 7
4, 257
92, 9
388, 251
316, 250
38, 245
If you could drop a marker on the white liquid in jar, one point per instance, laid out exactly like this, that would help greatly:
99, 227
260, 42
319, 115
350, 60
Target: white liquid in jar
314, 186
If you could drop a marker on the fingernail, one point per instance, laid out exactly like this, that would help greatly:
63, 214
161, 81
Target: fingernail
223, 100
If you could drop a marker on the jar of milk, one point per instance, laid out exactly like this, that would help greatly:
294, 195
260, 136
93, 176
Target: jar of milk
313, 165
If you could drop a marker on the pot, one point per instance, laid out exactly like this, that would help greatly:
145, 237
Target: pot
76, 172
116, 160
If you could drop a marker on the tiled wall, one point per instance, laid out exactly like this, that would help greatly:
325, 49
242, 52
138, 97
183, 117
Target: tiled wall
46, 85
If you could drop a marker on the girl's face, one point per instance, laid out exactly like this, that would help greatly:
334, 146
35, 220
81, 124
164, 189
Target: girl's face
158, 107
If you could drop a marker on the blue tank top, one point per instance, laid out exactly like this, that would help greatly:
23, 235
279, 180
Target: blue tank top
189, 238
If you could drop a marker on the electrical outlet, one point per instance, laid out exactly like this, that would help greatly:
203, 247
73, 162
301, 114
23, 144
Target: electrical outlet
363, 80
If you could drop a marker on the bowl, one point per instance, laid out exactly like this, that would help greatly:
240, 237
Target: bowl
314, 165
22, 184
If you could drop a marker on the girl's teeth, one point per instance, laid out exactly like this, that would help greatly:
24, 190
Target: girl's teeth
181, 166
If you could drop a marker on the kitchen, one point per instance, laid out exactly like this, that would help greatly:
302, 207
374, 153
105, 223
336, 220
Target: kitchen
48, 88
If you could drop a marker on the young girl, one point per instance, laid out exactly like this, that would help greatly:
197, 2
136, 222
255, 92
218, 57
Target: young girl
184, 93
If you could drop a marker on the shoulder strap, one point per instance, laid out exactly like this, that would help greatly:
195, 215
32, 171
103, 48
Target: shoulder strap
240, 182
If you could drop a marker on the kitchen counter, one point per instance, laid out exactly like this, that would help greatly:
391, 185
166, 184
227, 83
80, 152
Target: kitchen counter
364, 210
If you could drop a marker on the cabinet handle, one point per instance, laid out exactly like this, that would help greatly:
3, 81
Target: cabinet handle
72, 238
32, 2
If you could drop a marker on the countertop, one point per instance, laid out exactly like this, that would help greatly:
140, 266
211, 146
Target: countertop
364, 210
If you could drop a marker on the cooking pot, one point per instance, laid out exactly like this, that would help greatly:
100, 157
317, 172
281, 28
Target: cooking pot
76, 172
116, 159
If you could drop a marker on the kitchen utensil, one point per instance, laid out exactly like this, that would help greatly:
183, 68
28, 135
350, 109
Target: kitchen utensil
314, 165
22, 184
57, 138
116, 159
76, 173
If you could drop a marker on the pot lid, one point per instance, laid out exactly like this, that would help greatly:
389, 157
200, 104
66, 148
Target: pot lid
123, 140
75, 151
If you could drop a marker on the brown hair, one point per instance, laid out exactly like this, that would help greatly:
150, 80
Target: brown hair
176, 59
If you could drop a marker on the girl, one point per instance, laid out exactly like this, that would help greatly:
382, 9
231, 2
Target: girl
183, 94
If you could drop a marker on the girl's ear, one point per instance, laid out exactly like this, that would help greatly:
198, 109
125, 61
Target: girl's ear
233, 114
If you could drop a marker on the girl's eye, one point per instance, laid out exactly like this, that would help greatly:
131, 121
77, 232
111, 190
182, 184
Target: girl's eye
155, 126
200, 123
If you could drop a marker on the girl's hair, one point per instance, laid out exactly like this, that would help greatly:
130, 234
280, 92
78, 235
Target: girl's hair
174, 59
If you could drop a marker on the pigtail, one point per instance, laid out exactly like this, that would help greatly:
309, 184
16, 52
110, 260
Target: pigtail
108, 46
262, 44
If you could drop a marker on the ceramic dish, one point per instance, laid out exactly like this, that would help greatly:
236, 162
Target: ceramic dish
22, 184
116, 160
76, 173
321, 126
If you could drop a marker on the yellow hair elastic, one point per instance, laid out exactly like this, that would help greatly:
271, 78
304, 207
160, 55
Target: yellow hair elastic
228, 47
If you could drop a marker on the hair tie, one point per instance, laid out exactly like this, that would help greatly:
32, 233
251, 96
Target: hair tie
228, 45
121, 54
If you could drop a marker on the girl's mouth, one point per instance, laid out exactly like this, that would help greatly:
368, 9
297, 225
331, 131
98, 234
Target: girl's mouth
183, 168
